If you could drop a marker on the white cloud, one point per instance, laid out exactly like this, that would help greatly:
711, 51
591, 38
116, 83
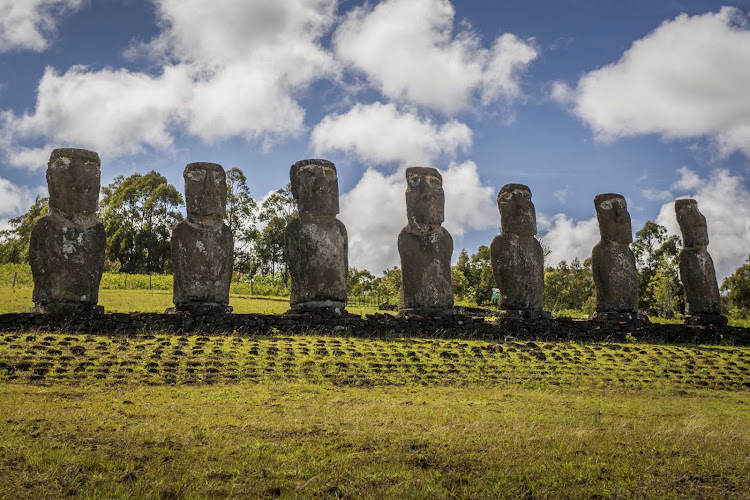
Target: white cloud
568, 239
688, 180
409, 51
724, 200
231, 69
657, 194
380, 133
686, 79
15, 200
374, 212
31, 24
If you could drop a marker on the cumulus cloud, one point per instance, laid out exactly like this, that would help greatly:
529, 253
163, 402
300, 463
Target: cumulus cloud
15, 200
409, 50
566, 238
31, 24
725, 201
231, 69
380, 133
374, 212
686, 79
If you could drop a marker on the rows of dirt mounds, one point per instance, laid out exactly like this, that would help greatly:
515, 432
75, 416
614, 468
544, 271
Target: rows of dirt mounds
168, 359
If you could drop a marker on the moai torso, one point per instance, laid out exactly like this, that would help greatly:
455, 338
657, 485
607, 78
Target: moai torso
612, 261
697, 271
425, 247
316, 241
517, 257
66, 250
202, 246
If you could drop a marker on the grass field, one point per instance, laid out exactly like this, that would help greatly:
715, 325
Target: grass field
18, 299
186, 417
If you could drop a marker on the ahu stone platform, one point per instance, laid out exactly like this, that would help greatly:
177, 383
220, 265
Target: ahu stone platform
456, 326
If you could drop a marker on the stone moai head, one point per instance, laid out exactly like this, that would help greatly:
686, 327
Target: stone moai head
614, 219
692, 223
315, 186
205, 192
425, 199
73, 180
517, 214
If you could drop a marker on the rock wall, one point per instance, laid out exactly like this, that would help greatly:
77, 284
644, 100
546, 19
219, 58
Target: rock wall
377, 325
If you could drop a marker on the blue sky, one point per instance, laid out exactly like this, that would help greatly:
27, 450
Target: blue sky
574, 98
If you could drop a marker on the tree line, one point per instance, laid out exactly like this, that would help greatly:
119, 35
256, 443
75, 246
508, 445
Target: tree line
139, 212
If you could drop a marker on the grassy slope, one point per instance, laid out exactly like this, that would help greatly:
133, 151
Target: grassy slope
296, 416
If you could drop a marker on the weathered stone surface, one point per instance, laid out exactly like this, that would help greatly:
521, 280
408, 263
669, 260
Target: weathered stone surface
612, 261
316, 241
67, 246
202, 245
697, 271
425, 247
517, 257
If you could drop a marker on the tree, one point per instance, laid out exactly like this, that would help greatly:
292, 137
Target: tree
270, 243
569, 286
359, 282
737, 288
139, 213
656, 261
241, 219
482, 279
14, 242
388, 285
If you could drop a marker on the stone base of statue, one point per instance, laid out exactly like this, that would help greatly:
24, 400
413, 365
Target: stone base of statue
319, 307
425, 312
619, 317
73, 309
525, 314
706, 319
201, 309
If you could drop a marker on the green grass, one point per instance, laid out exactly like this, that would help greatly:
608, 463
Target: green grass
18, 299
216, 416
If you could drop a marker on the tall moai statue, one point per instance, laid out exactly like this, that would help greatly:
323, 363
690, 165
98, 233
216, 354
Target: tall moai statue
67, 245
613, 262
517, 257
317, 245
425, 247
202, 245
697, 273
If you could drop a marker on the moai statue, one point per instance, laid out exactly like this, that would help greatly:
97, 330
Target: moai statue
425, 247
202, 245
702, 303
67, 245
517, 257
613, 263
317, 245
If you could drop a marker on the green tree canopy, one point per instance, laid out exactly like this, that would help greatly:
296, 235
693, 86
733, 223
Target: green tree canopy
737, 288
14, 242
241, 219
659, 288
139, 213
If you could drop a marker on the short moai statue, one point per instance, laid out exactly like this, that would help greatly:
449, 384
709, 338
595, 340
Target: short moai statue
317, 246
517, 257
425, 247
202, 245
697, 272
613, 262
66, 250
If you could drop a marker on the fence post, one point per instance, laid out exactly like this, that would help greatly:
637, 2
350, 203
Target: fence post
15, 277
126, 281
149, 281
252, 292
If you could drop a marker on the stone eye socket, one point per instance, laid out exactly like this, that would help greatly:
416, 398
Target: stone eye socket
606, 205
433, 181
196, 175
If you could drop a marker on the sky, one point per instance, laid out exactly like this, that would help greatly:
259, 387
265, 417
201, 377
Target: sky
571, 97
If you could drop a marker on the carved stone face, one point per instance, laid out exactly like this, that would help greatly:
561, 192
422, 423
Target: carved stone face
315, 186
205, 190
517, 214
692, 223
614, 219
425, 199
73, 180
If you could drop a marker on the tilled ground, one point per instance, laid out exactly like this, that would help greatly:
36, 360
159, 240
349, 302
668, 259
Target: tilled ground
163, 359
